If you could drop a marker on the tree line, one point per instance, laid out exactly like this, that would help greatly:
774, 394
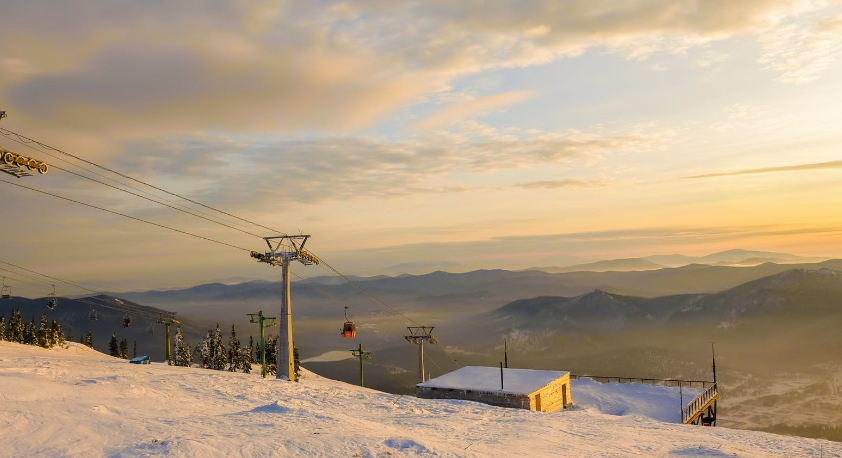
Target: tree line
47, 334
212, 353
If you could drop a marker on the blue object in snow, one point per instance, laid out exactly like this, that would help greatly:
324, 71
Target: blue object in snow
139, 360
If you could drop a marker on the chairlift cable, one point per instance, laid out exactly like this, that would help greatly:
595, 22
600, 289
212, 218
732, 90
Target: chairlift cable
126, 216
25, 139
181, 207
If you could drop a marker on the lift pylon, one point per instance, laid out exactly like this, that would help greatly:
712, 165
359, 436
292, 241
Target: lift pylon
362, 355
417, 335
282, 250
263, 322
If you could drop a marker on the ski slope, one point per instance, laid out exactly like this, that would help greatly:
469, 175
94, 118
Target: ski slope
78, 402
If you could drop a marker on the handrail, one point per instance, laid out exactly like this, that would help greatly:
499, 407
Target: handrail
649, 381
690, 411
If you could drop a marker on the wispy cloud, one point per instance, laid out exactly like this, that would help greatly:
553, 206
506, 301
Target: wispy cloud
477, 106
786, 168
567, 183
341, 168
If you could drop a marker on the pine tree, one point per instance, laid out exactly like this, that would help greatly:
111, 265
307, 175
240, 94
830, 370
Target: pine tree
124, 349
31, 333
220, 357
19, 329
272, 355
89, 339
205, 351
183, 357
201, 356
82, 339
296, 362
52, 334
44, 332
134, 352
235, 363
114, 346
248, 356
61, 339
2, 327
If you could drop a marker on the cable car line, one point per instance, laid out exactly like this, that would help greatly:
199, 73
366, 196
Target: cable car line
152, 197
47, 276
24, 139
158, 202
126, 216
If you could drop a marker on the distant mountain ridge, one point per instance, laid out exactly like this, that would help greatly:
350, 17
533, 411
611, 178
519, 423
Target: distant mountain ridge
724, 258
792, 292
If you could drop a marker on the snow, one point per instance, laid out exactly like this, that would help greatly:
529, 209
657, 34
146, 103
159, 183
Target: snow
478, 378
655, 402
79, 403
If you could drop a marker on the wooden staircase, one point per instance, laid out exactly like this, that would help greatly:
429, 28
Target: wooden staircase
702, 410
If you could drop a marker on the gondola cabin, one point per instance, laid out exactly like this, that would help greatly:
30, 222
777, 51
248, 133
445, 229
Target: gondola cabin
349, 330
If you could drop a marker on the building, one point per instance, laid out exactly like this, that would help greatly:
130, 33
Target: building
544, 391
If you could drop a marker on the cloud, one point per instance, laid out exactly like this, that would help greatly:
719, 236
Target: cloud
801, 51
787, 168
566, 183
353, 167
740, 116
477, 106
282, 66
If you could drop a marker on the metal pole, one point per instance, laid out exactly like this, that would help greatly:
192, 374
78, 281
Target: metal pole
505, 353
501, 375
421, 359
262, 344
286, 371
361, 364
713, 355
169, 345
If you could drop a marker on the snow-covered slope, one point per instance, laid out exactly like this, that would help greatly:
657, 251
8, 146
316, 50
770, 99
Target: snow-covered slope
77, 402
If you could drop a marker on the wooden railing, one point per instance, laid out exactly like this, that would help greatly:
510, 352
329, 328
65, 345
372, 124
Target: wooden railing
703, 384
695, 408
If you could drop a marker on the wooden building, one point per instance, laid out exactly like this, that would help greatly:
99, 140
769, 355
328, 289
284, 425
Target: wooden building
544, 391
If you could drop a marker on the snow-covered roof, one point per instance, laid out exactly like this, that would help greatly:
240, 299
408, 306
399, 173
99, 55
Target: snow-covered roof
477, 378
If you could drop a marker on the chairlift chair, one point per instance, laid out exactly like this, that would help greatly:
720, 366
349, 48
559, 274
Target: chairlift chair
349, 329
92, 316
150, 329
127, 321
52, 301
7, 291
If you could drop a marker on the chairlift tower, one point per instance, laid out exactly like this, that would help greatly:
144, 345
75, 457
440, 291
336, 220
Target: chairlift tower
417, 335
284, 249
167, 320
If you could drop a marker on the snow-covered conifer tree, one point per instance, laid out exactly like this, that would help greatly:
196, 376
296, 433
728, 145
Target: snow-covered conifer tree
44, 332
114, 346
19, 328
61, 339
52, 334
235, 363
124, 349
2, 327
183, 356
220, 356
272, 355
205, 352
89, 339
31, 333
134, 351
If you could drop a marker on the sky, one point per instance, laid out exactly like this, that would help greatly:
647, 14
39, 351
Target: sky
471, 134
